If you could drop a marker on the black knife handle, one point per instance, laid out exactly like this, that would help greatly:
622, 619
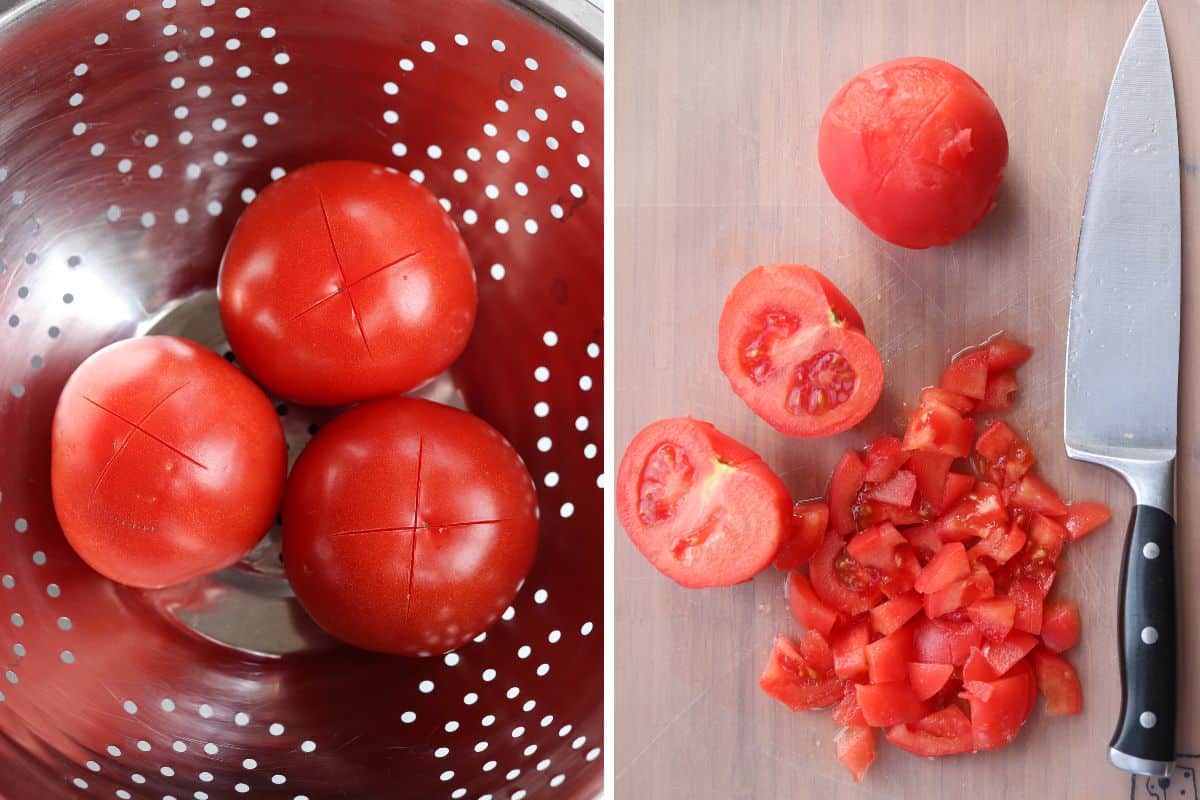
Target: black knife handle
1146, 730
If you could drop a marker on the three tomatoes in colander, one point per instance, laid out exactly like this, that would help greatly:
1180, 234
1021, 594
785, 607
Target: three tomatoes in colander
408, 526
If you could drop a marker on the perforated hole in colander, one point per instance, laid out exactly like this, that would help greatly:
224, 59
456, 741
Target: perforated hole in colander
135, 133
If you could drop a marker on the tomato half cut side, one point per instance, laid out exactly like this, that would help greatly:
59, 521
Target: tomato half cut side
793, 348
856, 749
701, 507
945, 732
841, 581
810, 518
791, 680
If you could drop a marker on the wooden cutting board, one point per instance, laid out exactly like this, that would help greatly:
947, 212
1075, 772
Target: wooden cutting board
717, 108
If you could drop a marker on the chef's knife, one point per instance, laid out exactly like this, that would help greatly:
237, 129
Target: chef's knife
1123, 372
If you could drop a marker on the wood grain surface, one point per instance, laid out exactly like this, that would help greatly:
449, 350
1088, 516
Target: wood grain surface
717, 108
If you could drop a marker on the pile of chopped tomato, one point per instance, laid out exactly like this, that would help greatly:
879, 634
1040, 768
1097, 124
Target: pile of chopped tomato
928, 568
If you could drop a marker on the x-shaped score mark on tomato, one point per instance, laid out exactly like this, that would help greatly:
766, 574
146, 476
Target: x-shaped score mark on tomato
417, 526
344, 285
135, 426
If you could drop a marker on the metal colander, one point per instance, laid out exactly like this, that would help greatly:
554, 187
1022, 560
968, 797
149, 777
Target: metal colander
133, 133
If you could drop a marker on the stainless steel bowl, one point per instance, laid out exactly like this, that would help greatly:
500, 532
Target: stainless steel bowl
132, 135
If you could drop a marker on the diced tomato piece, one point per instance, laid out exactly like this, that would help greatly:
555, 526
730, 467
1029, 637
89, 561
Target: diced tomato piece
1028, 599
948, 565
1040, 571
936, 394
902, 579
998, 396
856, 749
897, 515
998, 709
815, 650
1008, 457
931, 470
886, 704
794, 682
887, 658
849, 645
980, 513
928, 679
944, 640
884, 457
810, 518
977, 668
806, 607
1005, 654
898, 490
890, 616
937, 428
840, 581
993, 616
1059, 683
961, 593
993, 444
876, 546
1060, 626
1083, 518
1005, 352
847, 712
957, 487
847, 480
1035, 494
945, 732
1047, 538
1000, 545
967, 374
924, 540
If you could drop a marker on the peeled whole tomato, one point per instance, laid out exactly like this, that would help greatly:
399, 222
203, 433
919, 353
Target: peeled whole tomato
408, 526
167, 463
915, 149
793, 348
345, 281
704, 509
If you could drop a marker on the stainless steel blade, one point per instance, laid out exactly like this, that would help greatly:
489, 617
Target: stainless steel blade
1123, 338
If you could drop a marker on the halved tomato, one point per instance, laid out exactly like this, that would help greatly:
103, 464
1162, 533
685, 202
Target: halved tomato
1004, 655
844, 485
993, 616
936, 427
948, 565
856, 749
928, 679
702, 508
967, 374
793, 348
945, 732
998, 709
806, 607
998, 396
1035, 494
1059, 683
887, 704
887, 658
849, 645
810, 519
1005, 352
841, 581
791, 680
1083, 518
1060, 626
884, 458
876, 546
891, 616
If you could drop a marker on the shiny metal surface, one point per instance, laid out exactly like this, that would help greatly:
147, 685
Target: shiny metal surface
1140, 766
1123, 339
133, 135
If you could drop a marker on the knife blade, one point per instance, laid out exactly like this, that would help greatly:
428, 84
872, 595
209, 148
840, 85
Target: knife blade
1122, 381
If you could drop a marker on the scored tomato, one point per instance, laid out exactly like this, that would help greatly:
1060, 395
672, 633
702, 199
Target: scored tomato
944, 732
841, 581
810, 519
844, 486
967, 374
796, 683
849, 645
856, 749
702, 508
1083, 518
884, 457
1060, 626
928, 679
1005, 352
891, 616
1058, 681
793, 348
886, 704
806, 607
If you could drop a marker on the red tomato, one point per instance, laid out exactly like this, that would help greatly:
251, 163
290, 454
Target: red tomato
904, 577
702, 508
1005, 353
931, 470
346, 281
808, 610
993, 616
898, 490
957, 487
967, 374
945, 732
856, 749
936, 427
816, 652
844, 486
840, 581
998, 709
915, 149
998, 395
1060, 626
1047, 538
876, 546
1083, 518
408, 526
884, 457
891, 616
793, 348
791, 680
887, 658
1004, 655
999, 545
849, 645
810, 520
1028, 599
1034, 494
1006, 455
166, 462
977, 668
944, 640
948, 565
847, 711
940, 396
928, 679
1059, 683
887, 704
980, 513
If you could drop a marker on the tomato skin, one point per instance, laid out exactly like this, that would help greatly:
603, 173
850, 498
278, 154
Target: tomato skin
345, 281
847, 480
887, 658
806, 607
928, 679
887, 704
945, 732
840, 581
856, 749
944, 640
1083, 518
1060, 626
998, 709
1059, 682
681, 481
915, 149
810, 519
190, 488
791, 680
977, 668
793, 348
408, 526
